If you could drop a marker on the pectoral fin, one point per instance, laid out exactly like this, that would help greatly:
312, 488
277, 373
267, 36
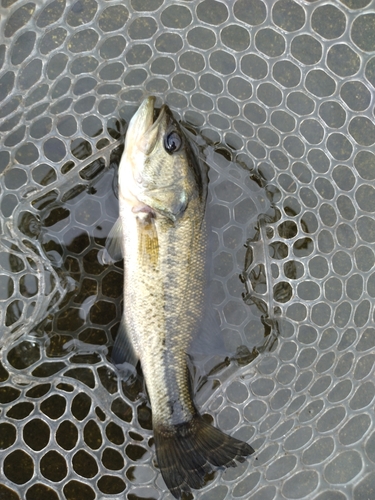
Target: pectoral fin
113, 246
148, 243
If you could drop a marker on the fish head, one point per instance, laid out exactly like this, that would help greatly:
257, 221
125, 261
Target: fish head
158, 173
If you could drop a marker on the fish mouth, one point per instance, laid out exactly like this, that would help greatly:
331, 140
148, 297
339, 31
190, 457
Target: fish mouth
146, 119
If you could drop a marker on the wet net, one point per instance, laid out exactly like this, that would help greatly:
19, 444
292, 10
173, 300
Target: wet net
282, 93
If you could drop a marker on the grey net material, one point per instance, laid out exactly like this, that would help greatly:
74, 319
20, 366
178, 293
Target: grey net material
282, 93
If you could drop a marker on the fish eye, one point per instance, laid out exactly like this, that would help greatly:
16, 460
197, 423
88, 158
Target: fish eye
172, 142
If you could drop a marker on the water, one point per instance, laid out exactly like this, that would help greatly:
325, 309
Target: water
283, 93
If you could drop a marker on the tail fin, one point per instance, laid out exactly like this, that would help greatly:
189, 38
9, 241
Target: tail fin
187, 452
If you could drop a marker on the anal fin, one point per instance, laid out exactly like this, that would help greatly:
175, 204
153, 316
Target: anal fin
123, 351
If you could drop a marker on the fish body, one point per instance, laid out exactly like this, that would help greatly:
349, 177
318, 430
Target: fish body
162, 196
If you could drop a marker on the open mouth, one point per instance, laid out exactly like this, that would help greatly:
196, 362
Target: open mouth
144, 125
157, 116
147, 118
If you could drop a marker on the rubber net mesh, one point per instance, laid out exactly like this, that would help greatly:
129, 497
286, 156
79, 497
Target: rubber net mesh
282, 93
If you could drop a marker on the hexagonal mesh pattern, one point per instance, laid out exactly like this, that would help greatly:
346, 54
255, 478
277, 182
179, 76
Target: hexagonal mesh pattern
283, 91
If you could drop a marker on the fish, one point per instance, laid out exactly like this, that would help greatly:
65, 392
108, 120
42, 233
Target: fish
161, 235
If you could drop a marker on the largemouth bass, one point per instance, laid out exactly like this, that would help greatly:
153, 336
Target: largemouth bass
162, 196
